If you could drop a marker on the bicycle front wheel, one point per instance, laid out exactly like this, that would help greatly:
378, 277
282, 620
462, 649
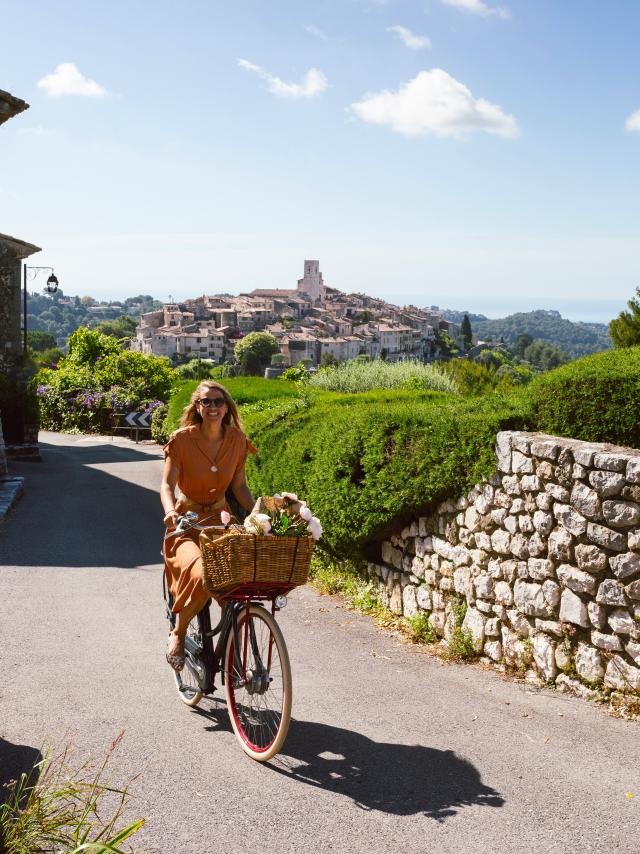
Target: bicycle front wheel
258, 683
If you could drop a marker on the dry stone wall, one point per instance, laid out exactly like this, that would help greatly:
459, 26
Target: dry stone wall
546, 556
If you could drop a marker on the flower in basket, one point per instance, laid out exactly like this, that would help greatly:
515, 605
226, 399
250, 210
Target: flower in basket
287, 515
225, 517
257, 523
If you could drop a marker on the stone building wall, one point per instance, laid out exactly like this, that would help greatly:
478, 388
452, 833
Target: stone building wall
546, 555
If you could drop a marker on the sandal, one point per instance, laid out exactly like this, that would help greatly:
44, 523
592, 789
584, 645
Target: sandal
175, 660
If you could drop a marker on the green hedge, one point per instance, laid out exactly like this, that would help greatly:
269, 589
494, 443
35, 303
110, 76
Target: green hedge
244, 390
367, 464
596, 398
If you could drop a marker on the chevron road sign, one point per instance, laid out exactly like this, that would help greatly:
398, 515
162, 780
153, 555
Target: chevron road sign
137, 419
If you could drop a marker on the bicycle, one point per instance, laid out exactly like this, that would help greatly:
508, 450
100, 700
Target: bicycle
250, 656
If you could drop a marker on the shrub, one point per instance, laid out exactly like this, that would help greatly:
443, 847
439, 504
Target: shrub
355, 376
159, 431
368, 464
420, 629
596, 398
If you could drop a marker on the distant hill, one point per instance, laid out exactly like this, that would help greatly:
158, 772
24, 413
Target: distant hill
456, 316
575, 339
61, 315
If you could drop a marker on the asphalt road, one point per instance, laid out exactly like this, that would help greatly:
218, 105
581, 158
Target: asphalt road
389, 749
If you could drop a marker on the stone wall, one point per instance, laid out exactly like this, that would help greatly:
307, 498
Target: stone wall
546, 555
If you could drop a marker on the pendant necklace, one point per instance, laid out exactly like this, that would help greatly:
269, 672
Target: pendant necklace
213, 467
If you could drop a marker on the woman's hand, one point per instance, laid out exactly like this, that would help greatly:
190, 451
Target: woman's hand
171, 518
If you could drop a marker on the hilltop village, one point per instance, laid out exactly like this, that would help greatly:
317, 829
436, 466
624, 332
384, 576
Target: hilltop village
312, 322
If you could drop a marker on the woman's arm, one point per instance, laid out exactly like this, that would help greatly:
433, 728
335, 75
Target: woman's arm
170, 476
241, 491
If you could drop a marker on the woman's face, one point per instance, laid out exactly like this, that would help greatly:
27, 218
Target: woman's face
212, 404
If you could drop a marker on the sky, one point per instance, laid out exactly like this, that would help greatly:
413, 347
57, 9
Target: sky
471, 154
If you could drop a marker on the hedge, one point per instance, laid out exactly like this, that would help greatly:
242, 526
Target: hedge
368, 464
596, 398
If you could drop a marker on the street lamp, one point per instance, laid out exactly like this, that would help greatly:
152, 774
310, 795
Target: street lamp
51, 287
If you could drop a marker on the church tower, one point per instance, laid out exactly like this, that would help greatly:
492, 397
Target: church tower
312, 284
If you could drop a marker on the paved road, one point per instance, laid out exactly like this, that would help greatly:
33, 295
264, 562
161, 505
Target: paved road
389, 750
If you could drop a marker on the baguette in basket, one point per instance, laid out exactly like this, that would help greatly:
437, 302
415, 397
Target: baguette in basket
271, 551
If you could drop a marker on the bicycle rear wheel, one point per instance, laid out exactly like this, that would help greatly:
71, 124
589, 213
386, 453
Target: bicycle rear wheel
258, 684
193, 676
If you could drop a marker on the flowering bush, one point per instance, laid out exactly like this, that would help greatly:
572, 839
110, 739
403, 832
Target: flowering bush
97, 381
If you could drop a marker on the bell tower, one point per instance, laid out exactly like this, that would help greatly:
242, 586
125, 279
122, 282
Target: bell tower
312, 284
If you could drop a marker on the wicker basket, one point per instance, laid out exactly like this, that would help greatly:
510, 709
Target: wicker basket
239, 558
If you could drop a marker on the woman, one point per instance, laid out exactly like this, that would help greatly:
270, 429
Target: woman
203, 459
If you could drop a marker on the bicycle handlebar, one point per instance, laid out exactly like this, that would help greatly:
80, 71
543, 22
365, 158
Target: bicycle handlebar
187, 521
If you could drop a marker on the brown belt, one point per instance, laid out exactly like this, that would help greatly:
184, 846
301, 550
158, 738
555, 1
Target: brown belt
183, 503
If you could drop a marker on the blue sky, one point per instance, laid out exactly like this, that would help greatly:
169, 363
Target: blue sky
467, 153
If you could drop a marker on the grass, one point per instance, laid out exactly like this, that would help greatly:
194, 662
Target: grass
355, 377
420, 629
460, 645
61, 808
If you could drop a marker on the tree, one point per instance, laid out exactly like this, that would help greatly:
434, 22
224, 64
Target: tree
625, 329
328, 359
253, 352
465, 332
40, 341
87, 301
522, 342
121, 327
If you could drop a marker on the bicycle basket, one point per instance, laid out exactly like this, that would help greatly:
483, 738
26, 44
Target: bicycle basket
237, 558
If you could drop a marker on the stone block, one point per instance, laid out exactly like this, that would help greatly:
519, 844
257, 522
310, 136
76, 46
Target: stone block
633, 470
611, 592
501, 542
578, 472
620, 514
511, 524
563, 656
471, 519
510, 570
509, 646
615, 541
551, 592
484, 587
537, 546
576, 579
498, 516
622, 676
529, 599
621, 622
606, 483
633, 590
503, 451
609, 643
517, 506
483, 541
511, 485
573, 609
437, 620
591, 559
631, 493
409, 601
625, 566
531, 483
543, 522
521, 442
462, 580
460, 556
540, 568
549, 627
544, 501
503, 594
633, 651
545, 470
588, 663
493, 650
492, 628
544, 656
423, 597
519, 623
584, 454
545, 449
474, 624
570, 519
610, 461
502, 499
520, 546
395, 599
525, 523
597, 615
483, 606
560, 545
482, 505
558, 492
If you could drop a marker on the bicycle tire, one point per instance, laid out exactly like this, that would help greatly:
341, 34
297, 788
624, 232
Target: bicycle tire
260, 709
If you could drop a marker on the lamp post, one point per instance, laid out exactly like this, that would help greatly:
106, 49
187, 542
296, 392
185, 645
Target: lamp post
51, 287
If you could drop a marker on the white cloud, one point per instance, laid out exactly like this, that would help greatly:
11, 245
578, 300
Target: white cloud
434, 104
317, 32
410, 39
313, 83
632, 125
478, 7
67, 80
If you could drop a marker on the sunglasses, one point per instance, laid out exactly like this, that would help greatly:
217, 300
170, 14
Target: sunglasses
218, 402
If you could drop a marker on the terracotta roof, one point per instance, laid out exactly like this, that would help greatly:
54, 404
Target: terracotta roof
10, 106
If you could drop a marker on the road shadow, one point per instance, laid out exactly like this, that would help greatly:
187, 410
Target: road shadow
15, 759
73, 514
393, 778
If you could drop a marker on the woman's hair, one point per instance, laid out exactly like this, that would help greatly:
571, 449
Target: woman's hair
190, 414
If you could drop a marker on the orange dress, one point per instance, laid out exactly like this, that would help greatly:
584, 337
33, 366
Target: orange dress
202, 482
